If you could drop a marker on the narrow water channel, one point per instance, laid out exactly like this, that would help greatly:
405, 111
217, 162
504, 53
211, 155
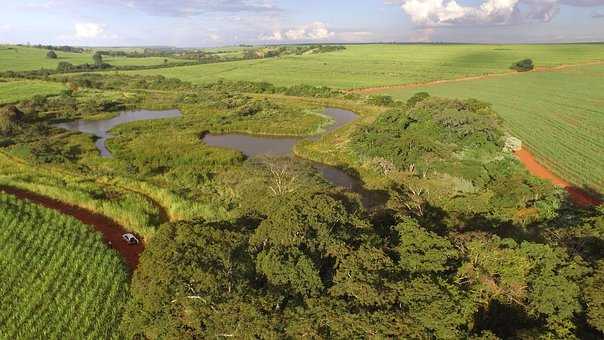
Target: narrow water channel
100, 128
283, 146
249, 145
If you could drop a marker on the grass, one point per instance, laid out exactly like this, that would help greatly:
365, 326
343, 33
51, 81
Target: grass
130, 208
20, 58
14, 91
558, 115
58, 278
379, 65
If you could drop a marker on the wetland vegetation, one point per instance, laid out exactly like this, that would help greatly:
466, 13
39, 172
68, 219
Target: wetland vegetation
377, 216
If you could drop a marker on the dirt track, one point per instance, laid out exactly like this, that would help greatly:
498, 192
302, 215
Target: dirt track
112, 232
379, 89
577, 195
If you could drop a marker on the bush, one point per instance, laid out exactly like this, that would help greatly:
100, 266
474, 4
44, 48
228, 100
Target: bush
64, 66
523, 65
380, 100
51, 55
312, 91
417, 98
10, 118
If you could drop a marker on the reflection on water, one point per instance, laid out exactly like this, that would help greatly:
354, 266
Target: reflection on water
273, 145
283, 146
253, 145
100, 128
249, 145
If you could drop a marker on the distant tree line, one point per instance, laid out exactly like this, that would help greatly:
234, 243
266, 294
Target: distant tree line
65, 48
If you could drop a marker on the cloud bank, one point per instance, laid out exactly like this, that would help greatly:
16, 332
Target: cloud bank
313, 31
431, 13
88, 30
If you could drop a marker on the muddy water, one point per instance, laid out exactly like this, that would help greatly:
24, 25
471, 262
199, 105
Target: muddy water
249, 145
101, 128
275, 146
283, 146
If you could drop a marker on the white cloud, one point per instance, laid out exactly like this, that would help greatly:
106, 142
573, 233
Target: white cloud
275, 36
88, 30
489, 12
313, 31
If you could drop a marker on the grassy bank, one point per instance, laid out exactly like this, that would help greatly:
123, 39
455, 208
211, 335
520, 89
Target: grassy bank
14, 91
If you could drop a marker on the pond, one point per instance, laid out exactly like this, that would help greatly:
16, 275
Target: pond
247, 144
100, 128
283, 146
252, 145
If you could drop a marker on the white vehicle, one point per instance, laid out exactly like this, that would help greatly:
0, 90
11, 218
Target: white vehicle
130, 238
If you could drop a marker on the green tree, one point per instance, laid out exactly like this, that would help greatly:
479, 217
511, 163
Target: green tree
98, 59
420, 251
51, 55
64, 66
523, 65
594, 297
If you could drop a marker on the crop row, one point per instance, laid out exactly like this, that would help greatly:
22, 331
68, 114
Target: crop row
59, 279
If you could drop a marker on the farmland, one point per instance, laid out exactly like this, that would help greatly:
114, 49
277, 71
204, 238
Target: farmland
405, 222
20, 58
14, 91
58, 278
378, 65
558, 115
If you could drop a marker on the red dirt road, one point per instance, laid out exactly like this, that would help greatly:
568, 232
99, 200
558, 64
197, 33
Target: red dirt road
578, 196
112, 232
380, 89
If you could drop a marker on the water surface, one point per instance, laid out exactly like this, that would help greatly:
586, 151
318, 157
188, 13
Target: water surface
252, 145
283, 146
100, 128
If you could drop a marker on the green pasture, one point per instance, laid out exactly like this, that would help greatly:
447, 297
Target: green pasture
379, 65
14, 91
558, 115
20, 58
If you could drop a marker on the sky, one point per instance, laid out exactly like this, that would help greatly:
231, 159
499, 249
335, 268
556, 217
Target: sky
206, 23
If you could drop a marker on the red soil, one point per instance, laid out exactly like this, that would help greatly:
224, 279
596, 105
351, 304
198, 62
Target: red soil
112, 232
578, 196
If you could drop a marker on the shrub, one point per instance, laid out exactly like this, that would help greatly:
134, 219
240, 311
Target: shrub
380, 100
417, 98
64, 66
10, 118
51, 55
523, 65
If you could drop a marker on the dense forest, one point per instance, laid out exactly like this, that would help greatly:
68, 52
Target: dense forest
466, 244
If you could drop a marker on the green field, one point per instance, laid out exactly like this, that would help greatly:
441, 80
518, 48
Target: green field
558, 115
58, 278
14, 91
19, 58
378, 65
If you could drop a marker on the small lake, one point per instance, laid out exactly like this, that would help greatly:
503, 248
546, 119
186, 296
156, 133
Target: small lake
248, 144
100, 128
254, 145
251, 145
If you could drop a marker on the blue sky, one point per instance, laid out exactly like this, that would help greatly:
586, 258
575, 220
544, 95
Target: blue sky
201, 23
